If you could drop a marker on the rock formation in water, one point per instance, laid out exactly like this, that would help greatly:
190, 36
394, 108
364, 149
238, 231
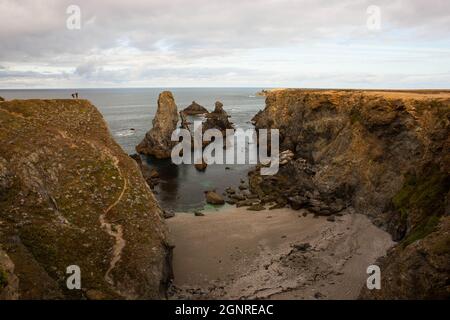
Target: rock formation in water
385, 154
217, 119
2, 99
157, 141
195, 109
70, 196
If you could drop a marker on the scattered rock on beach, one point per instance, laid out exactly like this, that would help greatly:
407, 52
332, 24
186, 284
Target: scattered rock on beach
237, 196
243, 186
201, 166
230, 190
213, 197
277, 206
256, 207
247, 202
167, 214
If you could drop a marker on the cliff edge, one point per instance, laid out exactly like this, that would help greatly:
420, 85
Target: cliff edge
385, 154
70, 196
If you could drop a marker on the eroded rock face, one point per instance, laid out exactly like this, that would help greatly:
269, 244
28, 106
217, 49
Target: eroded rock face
71, 196
385, 154
417, 271
157, 141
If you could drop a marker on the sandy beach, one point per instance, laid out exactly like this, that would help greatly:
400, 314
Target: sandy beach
276, 254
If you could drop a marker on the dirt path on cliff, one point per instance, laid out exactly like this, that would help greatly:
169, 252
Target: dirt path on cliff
114, 230
278, 254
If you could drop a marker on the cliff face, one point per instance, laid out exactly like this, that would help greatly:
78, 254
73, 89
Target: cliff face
69, 195
385, 154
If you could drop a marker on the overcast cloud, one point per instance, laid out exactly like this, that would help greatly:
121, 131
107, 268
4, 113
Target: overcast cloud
267, 43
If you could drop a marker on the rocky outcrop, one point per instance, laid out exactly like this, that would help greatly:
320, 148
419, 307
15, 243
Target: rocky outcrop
151, 176
2, 99
157, 141
419, 270
195, 109
217, 119
69, 196
385, 154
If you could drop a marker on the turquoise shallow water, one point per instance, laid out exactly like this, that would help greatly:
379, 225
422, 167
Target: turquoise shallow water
181, 186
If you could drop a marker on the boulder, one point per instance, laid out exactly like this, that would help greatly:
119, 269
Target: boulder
213, 197
256, 207
297, 202
167, 214
157, 142
201, 166
237, 196
230, 190
2, 99
247, 203
243, 186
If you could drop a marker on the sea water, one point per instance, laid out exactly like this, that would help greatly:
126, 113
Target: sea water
129, 113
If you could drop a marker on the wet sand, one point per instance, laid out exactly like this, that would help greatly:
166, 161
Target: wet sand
276, 254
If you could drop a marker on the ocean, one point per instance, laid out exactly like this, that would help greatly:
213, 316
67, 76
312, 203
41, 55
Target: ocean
129, 113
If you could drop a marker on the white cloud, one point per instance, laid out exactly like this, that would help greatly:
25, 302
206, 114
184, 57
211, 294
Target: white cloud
206, 42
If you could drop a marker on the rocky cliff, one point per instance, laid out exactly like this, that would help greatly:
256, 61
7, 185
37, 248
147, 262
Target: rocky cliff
382, 153
69, 196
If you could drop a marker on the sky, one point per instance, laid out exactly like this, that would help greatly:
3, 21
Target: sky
235, 43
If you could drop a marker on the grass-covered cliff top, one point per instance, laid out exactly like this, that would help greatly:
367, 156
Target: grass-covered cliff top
70, 195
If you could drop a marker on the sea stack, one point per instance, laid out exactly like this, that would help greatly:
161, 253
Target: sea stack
157, 141
217, 119
195, 109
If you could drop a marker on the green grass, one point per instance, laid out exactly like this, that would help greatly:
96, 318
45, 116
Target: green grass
3, 279
423, 195
421, 231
